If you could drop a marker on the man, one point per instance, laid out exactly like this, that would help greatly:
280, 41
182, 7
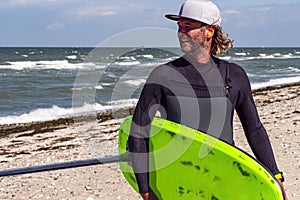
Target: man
184, 88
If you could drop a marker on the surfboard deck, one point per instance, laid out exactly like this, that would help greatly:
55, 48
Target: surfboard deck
187, 164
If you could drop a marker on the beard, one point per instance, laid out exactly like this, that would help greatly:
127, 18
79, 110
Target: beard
190, 46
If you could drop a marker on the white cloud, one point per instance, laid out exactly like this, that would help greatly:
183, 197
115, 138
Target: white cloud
231, 12
227, 15
36, 2
54, 26
96, 11
28, 2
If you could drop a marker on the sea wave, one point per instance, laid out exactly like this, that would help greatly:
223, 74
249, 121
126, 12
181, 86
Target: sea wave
292, 69
57, 64
135, 82
278, 81
275, 56
127, 63
55, 112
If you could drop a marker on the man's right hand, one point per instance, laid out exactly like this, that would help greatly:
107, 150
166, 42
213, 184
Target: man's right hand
283, 190
149, 196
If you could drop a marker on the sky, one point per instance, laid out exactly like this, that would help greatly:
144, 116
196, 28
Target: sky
87, 23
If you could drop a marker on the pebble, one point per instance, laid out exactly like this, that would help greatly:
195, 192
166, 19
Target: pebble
278, 136
55, 177
88, 187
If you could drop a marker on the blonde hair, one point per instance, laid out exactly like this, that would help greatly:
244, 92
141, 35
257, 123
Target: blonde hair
220, 42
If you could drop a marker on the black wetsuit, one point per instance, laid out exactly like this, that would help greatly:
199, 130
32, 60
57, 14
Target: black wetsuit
179, 88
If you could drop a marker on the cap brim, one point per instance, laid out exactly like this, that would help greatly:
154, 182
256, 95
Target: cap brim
172, 17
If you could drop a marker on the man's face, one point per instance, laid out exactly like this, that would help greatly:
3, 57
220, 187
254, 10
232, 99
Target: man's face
191, 35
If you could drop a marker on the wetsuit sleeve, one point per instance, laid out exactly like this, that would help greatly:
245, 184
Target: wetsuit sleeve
139, 133
254, 130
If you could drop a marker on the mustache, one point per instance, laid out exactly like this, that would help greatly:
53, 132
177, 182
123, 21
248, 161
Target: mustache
183, 37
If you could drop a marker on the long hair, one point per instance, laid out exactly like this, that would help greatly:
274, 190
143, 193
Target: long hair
220, 42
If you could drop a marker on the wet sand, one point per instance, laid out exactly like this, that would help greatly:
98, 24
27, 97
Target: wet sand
82, 139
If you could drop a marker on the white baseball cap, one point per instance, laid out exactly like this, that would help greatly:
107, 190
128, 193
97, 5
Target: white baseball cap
201, 10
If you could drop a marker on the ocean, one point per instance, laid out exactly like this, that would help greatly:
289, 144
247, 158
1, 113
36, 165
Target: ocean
41, 84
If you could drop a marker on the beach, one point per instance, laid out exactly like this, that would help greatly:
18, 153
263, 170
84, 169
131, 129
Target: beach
278, 107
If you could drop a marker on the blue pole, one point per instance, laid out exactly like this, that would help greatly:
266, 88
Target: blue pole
65, 165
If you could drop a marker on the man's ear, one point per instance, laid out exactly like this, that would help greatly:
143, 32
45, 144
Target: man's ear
210, 31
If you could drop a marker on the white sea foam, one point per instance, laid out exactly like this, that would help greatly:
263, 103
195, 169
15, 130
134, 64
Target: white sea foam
41, 114
82, 88
261, 57
71, 57
293, 69
47, 114
273, 82
99, 87
57, 64
107, 84
241, 54
126, 58
151, 64
148, 56
277, 54
290, 55
135, 82
226, 57
145, 56
128, 63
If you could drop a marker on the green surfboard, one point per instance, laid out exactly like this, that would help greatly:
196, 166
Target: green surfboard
187, 164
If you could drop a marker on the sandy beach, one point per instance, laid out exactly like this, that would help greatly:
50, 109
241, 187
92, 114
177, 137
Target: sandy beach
278, 108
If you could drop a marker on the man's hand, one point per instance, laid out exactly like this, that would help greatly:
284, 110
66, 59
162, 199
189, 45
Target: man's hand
282, 187
149, 196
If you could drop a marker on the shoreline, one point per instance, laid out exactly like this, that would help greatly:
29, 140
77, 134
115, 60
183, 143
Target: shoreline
60, 123
277, 86
38, 127
278, 109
